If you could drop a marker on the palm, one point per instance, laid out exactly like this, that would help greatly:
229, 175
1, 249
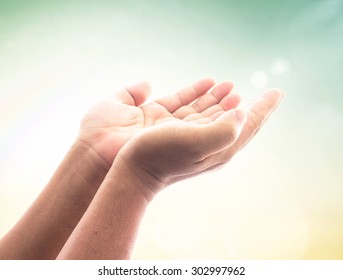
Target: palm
196, 143
110, 124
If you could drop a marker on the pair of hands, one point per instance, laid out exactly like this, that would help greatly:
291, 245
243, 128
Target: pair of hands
196, 130
125, 153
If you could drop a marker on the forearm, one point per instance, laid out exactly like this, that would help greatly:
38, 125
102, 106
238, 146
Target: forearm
45, 227
109, 227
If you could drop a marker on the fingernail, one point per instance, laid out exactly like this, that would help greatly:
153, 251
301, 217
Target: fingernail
241, 116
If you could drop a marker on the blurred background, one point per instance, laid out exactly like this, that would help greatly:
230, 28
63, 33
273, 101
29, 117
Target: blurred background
280, 198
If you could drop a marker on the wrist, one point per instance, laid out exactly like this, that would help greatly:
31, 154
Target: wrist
136, 178
88, 164
88, 152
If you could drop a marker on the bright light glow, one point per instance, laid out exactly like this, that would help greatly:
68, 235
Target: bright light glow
280, 66
289, 226
279, 198
259, 79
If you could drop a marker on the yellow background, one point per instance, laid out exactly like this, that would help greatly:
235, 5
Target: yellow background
280, 198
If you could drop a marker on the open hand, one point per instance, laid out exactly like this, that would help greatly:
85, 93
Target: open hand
180, 148
110, 124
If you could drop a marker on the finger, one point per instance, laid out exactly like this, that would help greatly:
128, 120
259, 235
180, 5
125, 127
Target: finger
206, 101
214, 97
198, 119
134, 95
218, 135
209, 164
201, 168
259, 112
186, 95
257, 115
229, 102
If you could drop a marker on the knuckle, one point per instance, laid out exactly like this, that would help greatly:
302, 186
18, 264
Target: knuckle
196, 107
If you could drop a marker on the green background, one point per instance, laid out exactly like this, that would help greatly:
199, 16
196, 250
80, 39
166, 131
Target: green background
281, 198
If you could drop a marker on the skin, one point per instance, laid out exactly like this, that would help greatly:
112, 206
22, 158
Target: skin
110, 124
154, 158
46, 226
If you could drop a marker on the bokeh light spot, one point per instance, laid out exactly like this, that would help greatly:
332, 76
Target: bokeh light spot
280, 66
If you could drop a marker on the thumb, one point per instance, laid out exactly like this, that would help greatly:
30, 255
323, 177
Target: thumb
223, 132
134, 95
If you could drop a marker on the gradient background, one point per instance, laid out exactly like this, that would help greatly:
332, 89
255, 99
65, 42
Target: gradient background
280, 198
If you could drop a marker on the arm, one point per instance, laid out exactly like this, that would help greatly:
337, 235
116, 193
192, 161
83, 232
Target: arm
44, 228
149, 162
108, 230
